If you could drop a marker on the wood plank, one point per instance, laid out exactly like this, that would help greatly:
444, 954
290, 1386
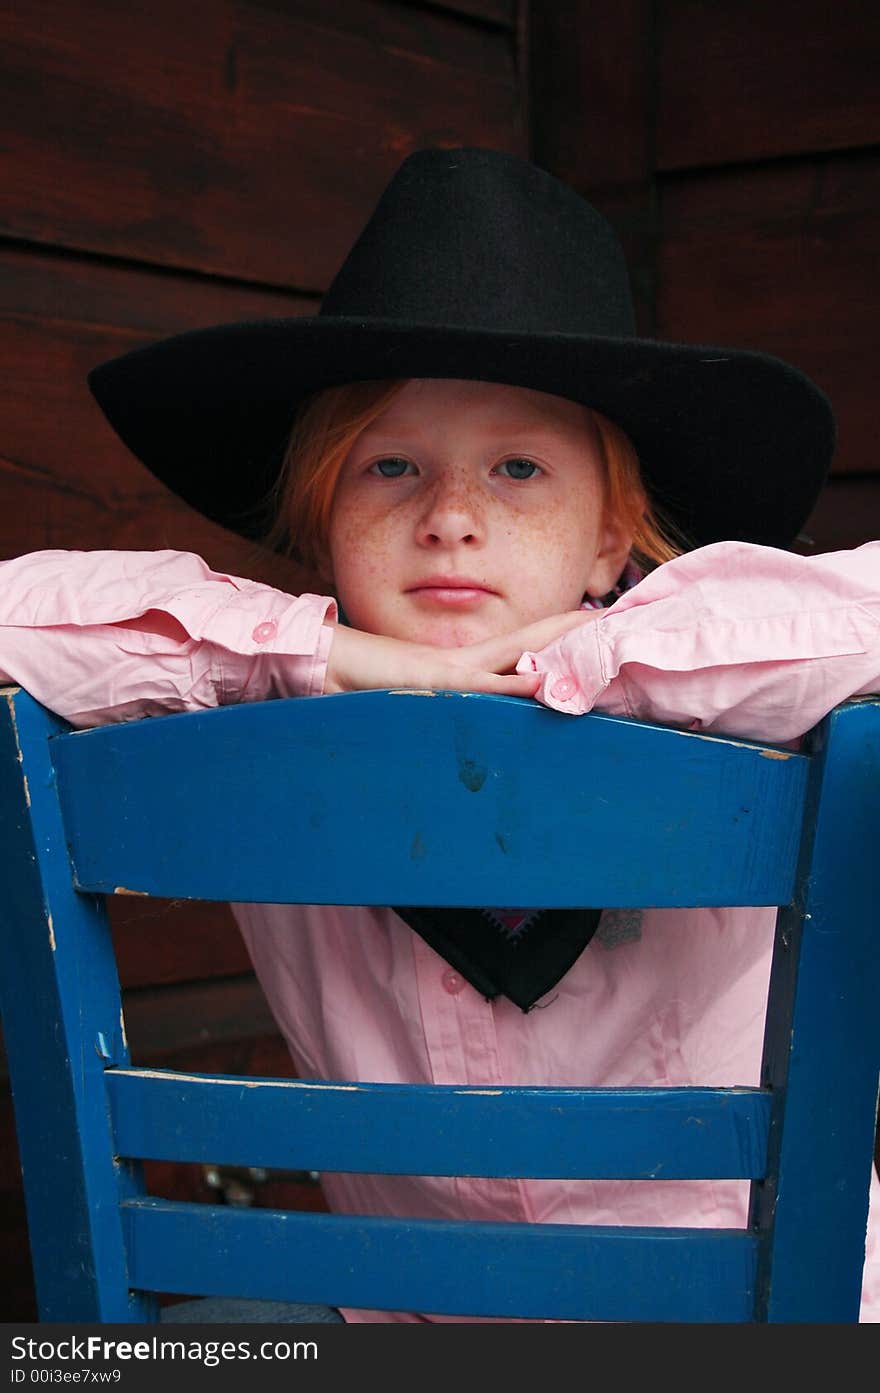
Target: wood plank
222, 1025
782, 258
592, 72
65, 479
232, 136
502, 12
118, 826
176, 1016
846, 515
588, 76
562, 1271
134, 304
164, 941
635, 1134
741, 80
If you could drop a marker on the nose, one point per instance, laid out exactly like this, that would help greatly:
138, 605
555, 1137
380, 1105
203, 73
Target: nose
451, 516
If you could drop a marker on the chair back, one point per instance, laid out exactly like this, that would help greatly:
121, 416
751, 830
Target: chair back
439, 798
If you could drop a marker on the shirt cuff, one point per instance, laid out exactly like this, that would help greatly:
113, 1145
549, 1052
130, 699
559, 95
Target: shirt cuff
283, 654
573, 675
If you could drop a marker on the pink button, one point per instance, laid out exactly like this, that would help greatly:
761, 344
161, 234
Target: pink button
263, 632
452, 983
564, 688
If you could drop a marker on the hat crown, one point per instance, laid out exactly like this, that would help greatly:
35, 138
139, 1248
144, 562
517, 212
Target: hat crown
477, 239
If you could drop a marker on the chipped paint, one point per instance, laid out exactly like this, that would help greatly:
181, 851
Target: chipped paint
480, 1092
51, 932
732, 740
121, 890
293, 1084
122, 1028
10, 694
412, 691
27, 792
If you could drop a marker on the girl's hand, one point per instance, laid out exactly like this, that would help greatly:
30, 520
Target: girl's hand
362, 662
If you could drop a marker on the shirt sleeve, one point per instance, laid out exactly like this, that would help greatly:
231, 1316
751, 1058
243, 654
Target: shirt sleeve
733, 638
111, 636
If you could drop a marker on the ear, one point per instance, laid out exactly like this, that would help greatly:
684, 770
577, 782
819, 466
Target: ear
615, 544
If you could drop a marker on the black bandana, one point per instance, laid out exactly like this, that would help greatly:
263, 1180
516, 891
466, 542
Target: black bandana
515, 953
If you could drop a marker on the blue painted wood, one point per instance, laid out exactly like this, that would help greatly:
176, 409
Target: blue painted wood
62, 1024
640, 1134
435, 799
799, 831
567, 1271
823, 1048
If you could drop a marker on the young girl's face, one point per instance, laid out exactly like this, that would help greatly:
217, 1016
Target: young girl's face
468, 509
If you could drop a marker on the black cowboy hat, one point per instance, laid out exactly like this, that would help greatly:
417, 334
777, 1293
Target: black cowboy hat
476, 264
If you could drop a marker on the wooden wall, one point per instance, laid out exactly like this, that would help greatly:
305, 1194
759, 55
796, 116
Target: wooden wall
734, 144
173, 166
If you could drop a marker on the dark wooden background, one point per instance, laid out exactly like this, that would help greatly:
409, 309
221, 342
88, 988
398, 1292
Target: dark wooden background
170, 166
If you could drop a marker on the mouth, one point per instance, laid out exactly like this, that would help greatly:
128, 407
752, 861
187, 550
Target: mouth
455, 592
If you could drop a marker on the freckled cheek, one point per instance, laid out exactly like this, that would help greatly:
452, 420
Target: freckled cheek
361, 558
555, 550
549, 534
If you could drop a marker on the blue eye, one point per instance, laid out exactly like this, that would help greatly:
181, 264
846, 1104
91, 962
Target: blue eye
391, 468
519, 468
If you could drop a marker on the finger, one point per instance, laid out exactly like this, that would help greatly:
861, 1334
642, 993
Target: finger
519, 684
505, 650
504, 684
544, 631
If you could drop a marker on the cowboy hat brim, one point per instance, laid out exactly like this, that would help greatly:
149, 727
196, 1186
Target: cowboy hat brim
733, 444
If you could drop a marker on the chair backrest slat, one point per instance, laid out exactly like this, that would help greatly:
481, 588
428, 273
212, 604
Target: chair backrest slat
565, 1271
243, 803
577, 1133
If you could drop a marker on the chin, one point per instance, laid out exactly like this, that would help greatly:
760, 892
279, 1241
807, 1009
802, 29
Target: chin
453, 633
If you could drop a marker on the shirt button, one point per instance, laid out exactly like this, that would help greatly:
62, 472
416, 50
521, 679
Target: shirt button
263, 632
564, 688
452, 982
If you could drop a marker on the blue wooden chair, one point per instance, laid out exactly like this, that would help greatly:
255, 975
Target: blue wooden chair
716, 822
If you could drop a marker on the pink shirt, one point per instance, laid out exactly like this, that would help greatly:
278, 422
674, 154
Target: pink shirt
733, 638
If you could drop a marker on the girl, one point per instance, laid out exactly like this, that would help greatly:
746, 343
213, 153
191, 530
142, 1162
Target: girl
504, 490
